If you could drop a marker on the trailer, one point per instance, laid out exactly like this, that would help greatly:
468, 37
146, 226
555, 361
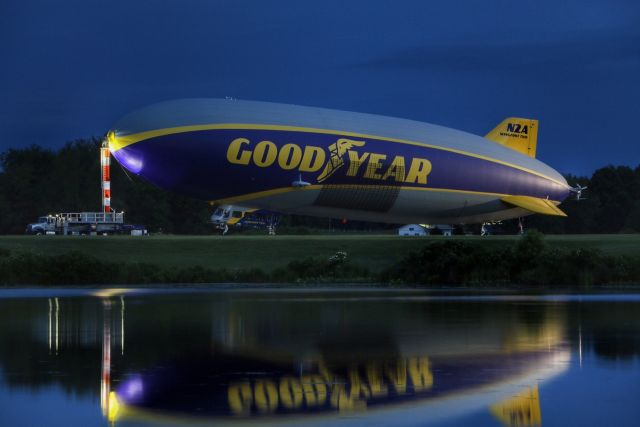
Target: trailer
84, 223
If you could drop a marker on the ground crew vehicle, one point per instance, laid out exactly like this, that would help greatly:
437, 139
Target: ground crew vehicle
82, 223
226, 216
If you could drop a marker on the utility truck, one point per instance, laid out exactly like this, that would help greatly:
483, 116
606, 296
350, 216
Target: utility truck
84, 223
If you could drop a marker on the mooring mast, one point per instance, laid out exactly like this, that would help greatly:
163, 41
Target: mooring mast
105, 163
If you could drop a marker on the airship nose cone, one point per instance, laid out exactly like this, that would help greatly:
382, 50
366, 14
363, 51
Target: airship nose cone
130, 160
174, 165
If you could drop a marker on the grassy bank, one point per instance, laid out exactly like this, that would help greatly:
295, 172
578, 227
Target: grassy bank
529, 260
267, 253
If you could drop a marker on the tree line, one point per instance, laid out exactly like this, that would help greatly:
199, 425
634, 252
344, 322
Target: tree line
36, 181
611, 204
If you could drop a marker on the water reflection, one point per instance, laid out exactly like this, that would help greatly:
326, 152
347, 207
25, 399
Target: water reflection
308, 358
343, 371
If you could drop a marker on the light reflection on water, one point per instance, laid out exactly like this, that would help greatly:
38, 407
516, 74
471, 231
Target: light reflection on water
316, 357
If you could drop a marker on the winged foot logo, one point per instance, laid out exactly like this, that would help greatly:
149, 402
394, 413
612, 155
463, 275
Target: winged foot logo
310, 158
337, 152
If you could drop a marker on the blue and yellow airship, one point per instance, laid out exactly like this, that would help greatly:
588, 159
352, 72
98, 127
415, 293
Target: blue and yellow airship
322, 162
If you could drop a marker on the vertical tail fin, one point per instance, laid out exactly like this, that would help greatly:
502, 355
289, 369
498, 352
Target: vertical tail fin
518, 134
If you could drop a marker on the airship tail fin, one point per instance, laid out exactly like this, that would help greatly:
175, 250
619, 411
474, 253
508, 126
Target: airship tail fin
534, 204
518, 134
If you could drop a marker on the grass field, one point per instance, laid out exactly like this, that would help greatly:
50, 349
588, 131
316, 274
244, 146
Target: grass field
376, 252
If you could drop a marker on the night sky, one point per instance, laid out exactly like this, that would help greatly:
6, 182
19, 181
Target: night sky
69, 69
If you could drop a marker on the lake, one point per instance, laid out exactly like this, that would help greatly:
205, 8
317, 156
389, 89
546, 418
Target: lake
227, 356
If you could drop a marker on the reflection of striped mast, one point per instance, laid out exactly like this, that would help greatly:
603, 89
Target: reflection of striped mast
108, 398
105, 380
106, 177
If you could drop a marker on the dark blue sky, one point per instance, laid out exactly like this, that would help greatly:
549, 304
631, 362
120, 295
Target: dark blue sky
70, 69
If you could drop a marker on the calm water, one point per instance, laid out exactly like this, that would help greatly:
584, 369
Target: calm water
317, 357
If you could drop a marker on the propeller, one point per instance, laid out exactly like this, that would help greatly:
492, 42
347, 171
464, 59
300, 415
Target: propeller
578, 189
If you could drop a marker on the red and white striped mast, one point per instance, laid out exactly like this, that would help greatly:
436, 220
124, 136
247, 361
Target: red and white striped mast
105, 168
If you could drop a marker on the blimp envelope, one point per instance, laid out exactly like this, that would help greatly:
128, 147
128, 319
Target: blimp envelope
324, 162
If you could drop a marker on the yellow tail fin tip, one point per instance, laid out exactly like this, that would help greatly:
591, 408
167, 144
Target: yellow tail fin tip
518, 134
535, 205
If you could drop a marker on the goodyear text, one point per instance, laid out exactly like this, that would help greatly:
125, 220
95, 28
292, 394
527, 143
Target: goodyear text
345, 154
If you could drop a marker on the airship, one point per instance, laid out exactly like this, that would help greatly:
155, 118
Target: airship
330, 163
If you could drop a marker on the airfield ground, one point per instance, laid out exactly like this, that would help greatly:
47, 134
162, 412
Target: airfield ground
376, 252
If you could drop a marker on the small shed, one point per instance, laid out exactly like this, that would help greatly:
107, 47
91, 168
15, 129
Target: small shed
447, 230
413, 230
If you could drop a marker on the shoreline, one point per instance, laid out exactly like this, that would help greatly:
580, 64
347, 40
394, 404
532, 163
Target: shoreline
530, 262
346, 286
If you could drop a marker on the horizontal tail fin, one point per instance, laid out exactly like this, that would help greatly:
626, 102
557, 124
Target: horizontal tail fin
520, 135
534, 204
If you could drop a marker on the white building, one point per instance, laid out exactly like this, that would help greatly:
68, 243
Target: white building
446, 229
425, 230
413, 230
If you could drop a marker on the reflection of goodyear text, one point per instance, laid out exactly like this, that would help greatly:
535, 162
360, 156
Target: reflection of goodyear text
326, 390
312, 159
522, 409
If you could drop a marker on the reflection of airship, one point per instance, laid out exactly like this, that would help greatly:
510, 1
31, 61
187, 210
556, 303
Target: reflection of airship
414, 365
391, 391
332, 163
